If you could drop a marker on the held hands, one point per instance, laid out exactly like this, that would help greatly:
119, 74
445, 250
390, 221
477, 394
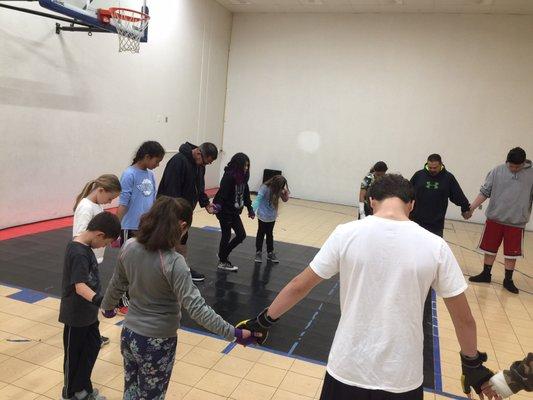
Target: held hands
213, 208
109, 313
251, 213
245, 338
467, 214
260, 324
475, 374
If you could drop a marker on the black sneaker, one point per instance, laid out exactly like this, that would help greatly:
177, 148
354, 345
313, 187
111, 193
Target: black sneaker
258, 256
481, 278
104, 341
271, 256
196, 276
509, 285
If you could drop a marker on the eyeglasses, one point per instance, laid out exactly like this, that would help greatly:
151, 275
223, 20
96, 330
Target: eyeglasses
203, 158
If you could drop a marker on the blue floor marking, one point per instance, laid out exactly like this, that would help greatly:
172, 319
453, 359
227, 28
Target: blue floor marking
310, 322
436, 347
28, 296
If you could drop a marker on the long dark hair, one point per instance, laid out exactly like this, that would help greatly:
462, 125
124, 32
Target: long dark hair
149, 148
159, 228
276, 184
236, 167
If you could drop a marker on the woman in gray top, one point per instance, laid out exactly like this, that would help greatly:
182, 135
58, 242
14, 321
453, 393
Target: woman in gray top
159, 285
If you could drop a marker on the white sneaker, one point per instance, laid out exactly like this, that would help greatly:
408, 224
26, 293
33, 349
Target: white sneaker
227, 266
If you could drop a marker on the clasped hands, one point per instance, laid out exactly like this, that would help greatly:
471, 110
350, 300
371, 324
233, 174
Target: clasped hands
247, 332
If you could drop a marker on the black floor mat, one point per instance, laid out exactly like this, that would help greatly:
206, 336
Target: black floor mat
36, 262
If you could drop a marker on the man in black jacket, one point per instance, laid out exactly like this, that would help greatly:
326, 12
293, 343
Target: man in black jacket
184, 177
434, 185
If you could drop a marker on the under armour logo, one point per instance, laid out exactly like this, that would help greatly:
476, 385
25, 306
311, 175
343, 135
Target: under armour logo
432, 185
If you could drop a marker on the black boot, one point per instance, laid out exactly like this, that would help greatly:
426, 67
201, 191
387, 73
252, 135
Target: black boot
484, 277
509, 285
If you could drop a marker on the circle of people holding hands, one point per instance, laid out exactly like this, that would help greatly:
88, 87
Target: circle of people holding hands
152, 282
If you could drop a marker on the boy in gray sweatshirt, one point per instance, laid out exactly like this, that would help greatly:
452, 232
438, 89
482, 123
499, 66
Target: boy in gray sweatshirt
510, 189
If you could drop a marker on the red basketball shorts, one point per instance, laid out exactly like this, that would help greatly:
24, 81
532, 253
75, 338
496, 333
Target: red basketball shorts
494, 233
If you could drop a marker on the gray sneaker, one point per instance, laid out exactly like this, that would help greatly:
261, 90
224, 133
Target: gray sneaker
258, 257
271, 256
95, 395
227, 266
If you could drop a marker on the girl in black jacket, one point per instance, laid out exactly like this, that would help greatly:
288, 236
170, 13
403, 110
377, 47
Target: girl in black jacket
233, 195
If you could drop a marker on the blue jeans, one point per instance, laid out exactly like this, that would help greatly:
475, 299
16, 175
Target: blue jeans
148, 365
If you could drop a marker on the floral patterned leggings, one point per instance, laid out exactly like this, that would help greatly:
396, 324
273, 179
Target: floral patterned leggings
148, 365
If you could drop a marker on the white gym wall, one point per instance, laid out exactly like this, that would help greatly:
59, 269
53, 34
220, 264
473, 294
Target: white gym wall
369, 87
72, 108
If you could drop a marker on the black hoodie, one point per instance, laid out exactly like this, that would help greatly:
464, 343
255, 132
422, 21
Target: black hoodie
432, 193
232, 196
184, 178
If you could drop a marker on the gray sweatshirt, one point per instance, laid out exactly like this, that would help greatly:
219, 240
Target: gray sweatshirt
511, 195
159, 285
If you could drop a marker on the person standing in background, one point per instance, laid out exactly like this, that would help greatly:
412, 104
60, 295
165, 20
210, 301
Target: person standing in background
434, 185
377, 171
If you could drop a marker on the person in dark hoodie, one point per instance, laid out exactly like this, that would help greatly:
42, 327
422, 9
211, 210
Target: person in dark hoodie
510, 188
434, 185
232, 196
184, 177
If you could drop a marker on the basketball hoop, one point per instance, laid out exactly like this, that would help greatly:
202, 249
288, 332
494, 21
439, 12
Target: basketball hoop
130, 25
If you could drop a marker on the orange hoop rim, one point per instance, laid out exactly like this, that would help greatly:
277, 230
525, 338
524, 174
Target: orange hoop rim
115, 13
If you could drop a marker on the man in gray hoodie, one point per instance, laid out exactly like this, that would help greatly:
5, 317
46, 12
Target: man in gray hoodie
510, 188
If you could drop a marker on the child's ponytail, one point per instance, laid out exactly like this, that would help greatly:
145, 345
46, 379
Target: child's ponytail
87, 189
108, 182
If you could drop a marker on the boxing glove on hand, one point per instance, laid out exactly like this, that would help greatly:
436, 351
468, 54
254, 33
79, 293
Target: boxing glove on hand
474, 372
518, 377
262, 323
361, 210
109, 313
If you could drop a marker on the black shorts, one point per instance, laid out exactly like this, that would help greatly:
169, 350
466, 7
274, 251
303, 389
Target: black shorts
335, 390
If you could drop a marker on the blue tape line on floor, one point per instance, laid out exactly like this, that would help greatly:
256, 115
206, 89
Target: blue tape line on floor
445, 394
229, 347
28, 296
436, 347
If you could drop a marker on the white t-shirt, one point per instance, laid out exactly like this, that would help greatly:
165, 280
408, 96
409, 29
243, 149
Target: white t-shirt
386, 270
85, 211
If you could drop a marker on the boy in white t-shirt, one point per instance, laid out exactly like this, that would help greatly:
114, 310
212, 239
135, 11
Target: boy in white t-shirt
387, 264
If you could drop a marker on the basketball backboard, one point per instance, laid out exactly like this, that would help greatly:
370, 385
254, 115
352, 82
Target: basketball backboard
87, 10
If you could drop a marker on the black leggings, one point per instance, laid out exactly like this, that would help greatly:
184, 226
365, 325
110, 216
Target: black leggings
335, 390
227, 223
265, 228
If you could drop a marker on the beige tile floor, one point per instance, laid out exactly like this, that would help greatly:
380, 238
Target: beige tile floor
32, 369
